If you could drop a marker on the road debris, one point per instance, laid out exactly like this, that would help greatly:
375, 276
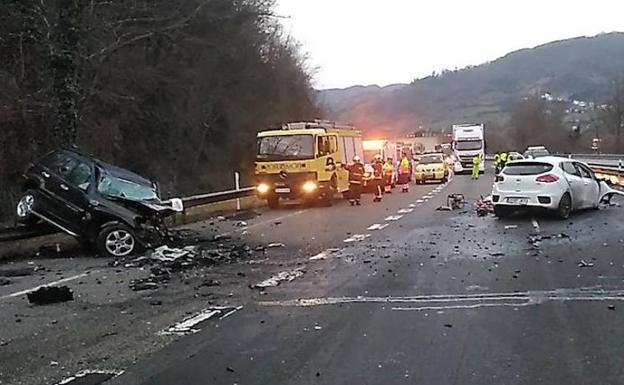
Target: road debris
583, 263
241, 224
276, 244
277, 279
143, 284
611, 307
511, 227
4, 281
50, 294
484, 206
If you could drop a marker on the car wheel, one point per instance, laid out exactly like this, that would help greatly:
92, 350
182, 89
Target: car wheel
116, 240
273, 202
24, 208
502, 211
565, 207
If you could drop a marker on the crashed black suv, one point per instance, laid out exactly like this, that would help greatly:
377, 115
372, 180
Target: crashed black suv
113, 209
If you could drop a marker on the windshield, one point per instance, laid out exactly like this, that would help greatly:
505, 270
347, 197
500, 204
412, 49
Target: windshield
286, 147
465, 145
117, 187
428, 159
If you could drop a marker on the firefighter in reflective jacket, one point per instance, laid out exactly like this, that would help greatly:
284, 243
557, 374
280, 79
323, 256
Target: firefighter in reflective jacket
497, 162
476, 162
378, 177
405, 172
503, 159
356, 176
388, 169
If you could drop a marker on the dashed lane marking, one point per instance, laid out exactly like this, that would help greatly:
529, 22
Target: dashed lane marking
377, 226
91, 377
419, 200
54, 283
188, 326
393, 218
405, 211
356, 238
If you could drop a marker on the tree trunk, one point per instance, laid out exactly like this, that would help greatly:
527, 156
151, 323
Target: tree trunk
64, 63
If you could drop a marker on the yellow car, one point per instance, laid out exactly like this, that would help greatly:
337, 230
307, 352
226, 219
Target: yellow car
432, 167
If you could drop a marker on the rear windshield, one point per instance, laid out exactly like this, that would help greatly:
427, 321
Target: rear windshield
527, 168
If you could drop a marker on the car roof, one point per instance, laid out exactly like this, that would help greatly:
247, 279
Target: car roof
110, 169
554, 160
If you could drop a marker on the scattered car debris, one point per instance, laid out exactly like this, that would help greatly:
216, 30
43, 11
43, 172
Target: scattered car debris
455, 201
143, 284
444, 208
241, 224
4, 281
583, 263
611, 307
484, 206
448, 325
50, 294
511, 227
49, 251
276, 244
277, 279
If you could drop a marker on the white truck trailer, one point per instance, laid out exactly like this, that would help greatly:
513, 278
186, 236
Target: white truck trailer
468, 141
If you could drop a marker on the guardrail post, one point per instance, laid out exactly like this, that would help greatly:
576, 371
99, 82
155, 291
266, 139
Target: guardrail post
237, 185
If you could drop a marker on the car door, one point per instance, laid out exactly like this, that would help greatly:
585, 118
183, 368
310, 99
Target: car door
68, 186
573, 176
591, 188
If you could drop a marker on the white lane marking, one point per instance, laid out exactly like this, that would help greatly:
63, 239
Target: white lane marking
428, 196
459, 301
393, 218
187, 326
419, 201
324, 254
84, 373
245, 229
54, 283
356, 238
405, 211
536, 225
458, 307
377, 226
412, 205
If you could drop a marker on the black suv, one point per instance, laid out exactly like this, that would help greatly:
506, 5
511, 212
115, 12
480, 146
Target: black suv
113, 209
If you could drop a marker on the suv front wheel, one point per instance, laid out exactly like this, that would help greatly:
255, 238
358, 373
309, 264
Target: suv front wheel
116, 240
24, 209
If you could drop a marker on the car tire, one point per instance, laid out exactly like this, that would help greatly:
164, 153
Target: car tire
565, 206
328, 197
273, 202
502, 211
116, 240
23, 210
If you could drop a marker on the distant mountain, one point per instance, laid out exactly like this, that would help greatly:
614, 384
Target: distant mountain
581, 68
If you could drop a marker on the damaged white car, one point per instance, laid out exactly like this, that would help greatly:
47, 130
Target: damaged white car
553, 183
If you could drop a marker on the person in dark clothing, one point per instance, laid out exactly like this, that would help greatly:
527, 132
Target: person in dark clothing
378, 177
356, 176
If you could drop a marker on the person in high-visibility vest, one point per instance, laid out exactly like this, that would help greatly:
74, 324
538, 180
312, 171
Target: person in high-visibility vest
503, 159
378, 177
405, 170
388, 169
476, 161
356, 176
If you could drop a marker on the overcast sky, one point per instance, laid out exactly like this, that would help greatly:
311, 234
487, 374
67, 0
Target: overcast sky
394, 41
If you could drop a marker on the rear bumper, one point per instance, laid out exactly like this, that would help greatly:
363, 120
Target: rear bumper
538, 200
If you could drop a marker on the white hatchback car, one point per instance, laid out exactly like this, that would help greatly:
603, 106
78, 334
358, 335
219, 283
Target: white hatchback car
552, 183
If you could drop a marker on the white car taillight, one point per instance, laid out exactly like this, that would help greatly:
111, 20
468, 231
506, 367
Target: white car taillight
548, 178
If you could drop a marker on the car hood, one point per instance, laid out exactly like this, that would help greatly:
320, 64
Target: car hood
429, 165
152, 207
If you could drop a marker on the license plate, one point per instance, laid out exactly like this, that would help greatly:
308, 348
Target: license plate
282, 190
429, 176
518, 201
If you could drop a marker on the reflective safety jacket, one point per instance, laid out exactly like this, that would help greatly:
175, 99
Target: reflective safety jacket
503, 157
377, 170
476, 160
356, 173
404, 166
388, 168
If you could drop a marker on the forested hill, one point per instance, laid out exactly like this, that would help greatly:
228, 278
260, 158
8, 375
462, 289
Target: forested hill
582, 68
174, 89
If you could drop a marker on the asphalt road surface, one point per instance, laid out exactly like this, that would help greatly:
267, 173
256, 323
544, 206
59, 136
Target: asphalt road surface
386, 293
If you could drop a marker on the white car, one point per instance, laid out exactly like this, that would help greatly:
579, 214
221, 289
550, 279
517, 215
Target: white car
552, 183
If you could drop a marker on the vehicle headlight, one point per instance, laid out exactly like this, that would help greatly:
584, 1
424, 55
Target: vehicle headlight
263, 188
309, 186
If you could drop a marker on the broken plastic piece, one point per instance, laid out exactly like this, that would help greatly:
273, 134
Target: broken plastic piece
50, 294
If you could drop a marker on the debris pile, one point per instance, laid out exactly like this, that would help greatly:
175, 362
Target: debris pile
50, 294
484, 206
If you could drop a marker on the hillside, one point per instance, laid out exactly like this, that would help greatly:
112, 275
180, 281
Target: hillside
581, 68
